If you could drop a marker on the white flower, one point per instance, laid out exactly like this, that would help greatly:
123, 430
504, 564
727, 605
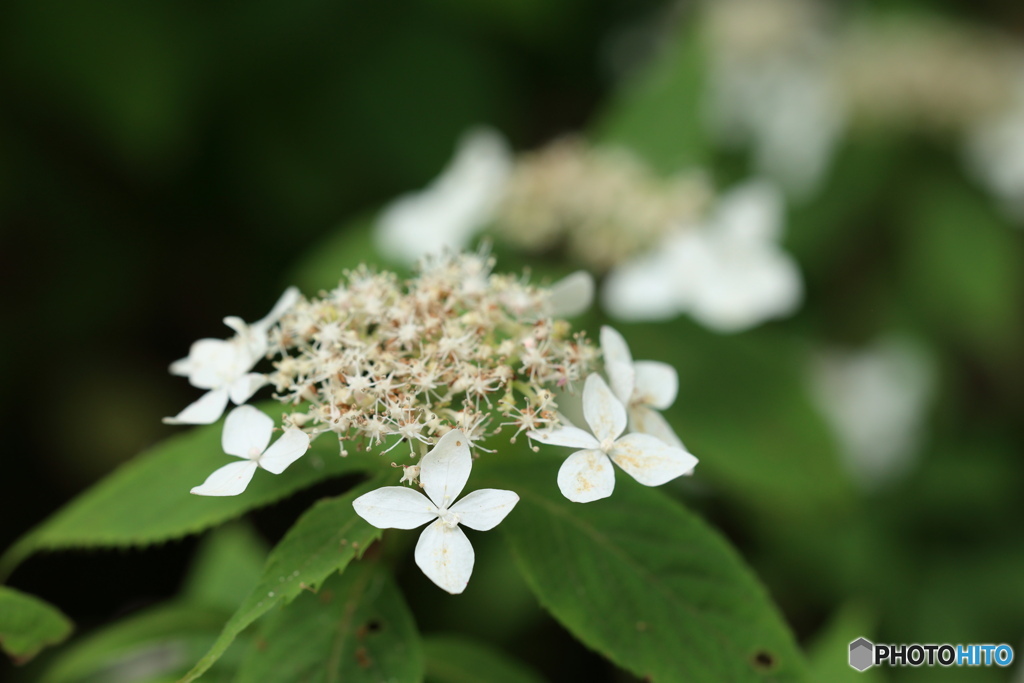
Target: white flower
587, 474
246, 435
572, 295
995, 154
443, 551
222, 365
789, 110
644, 387
459, 202
876, 401
729, 274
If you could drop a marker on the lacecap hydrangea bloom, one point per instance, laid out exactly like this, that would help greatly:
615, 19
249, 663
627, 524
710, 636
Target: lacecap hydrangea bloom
433, 366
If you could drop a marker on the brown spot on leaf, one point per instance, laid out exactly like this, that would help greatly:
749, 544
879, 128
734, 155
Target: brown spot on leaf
763, 661
363, 658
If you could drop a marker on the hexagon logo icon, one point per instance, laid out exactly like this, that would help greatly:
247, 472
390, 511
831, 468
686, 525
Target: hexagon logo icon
861, 654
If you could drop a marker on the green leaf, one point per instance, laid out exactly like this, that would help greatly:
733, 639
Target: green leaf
745, 411
27, 625
453, 659
147, 500
162, 641
962, 266
661, 116
227, 566
829, 653
644, 582
322, 541
357, 628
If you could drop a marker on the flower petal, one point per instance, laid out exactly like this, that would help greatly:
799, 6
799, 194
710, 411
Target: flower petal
641, 289
604, 413
206, 410
446, 556
229, 480
650, 461
618, 363
460, 201
242, 389
586, 476
644, 420
657, 384
246, 432
752, 212
566, 435
292, 445
286, 301
395, 507
572, 295
484, 509
445, 469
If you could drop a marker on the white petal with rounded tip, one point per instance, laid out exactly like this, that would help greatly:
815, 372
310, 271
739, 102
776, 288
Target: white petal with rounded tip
657, 383
181, 367
572, 295
650, 461
242, 389
246, 432
646, 420
229, 480
641, 289
285, 302
292, 445
618, 363
458, 203
445, 469
395, 507
604, 413
446, 556
206, 410
573, 437
751, 212
484, 509
219, 364
586, 476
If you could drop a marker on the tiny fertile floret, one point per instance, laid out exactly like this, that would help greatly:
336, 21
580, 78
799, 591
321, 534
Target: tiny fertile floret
378, 361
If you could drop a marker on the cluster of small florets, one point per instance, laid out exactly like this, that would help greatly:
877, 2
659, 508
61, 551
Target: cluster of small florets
924, 74
603, 203
378, 359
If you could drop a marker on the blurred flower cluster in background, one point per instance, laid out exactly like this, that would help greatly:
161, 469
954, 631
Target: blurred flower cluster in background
813, 211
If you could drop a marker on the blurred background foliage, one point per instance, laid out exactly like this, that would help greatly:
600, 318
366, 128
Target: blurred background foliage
163, 164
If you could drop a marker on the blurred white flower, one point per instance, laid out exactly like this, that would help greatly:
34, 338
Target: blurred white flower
788, 110
730, 274
995, 153
587, 475
246, 435
644, 387
222, 365
456, 205
572, 295
876, 402
443, 552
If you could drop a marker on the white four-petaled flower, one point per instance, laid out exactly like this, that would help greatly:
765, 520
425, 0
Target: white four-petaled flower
730, 274
443, 552
246, 435
644, 387
587, 474
222, 365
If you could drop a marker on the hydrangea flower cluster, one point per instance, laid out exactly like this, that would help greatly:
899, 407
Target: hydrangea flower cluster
437, 362
603, 203
788, 80
376, 358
